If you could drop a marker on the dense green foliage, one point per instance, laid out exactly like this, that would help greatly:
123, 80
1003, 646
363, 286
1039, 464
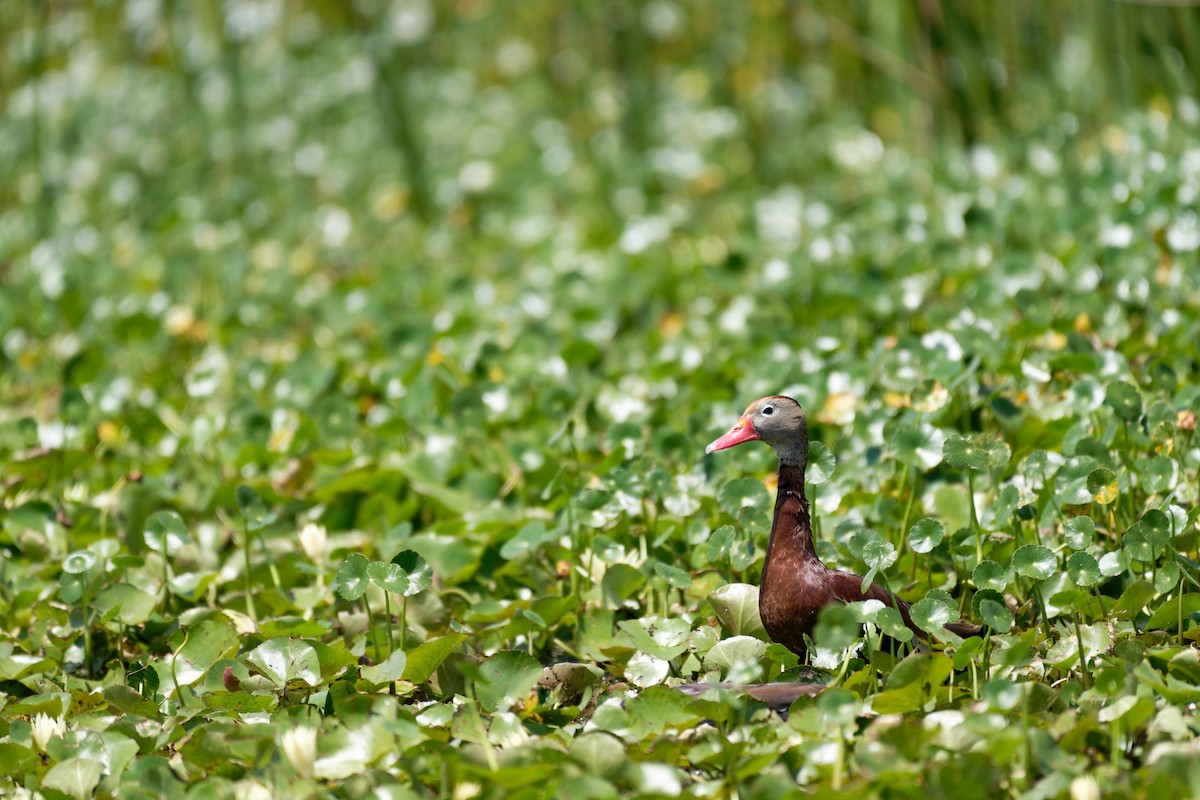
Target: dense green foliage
357, 370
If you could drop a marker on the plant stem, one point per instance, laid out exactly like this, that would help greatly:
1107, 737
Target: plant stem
1087, 678
374, 638
246, 553
387, 610
974, 517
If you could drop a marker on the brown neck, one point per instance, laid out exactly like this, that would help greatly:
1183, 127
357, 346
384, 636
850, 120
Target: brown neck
791, 531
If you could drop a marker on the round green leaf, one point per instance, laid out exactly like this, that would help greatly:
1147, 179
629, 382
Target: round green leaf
165, 532
740, 492
505, 678
252, 507
675, 576
821, 464
736, 605
995, 615
879, 554
930, 615
75, 777
975, 452
598, 752
892, 624
284, 660
1137, 545
1083, 569
1034, 561
1156, 527
1157, 473
919, 446
1124, 400
837, 627
79, 562
926, 535
719, 547
417, 572
351, 579
1102, 484
1078, 532
990, 575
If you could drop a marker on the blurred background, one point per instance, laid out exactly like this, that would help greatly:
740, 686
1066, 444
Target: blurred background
410, 210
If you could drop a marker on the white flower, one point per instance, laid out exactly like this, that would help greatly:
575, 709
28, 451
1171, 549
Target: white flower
300, 747
314, 542
1085, 787
46, 728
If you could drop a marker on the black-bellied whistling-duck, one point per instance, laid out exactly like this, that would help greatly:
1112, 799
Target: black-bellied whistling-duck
795, 584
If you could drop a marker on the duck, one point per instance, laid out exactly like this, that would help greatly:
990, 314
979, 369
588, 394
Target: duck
795, 583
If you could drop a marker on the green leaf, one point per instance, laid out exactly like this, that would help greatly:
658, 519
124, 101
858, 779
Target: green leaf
930, 615
678, 578
620, 582
1034, 561
1102, 484
389, 671
995, 615
879, 554
990, 575
16, 760
253, 509
740, 492
736, 606
1133, 600
417, 571
975, 452
206, 642
1078, 531
505, 678
598, 752
837, 627
1156, 527
351, 580
919, 446
79, 562
1124, 400
924, 536
1083, 569
891, 623
165, 532
719, 547
821, 464
75, 777
529, 539
283, 660
426, 658
727, 652
1157, 473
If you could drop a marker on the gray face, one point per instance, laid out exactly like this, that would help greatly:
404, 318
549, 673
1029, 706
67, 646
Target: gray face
780, 422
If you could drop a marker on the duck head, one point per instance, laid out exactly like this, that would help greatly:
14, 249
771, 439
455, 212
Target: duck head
777, 420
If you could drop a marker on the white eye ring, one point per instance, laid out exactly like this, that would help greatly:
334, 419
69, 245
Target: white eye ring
768, 410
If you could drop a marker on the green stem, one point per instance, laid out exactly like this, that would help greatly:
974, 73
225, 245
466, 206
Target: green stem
403, 622
387, 610
246, 553
375, 637
974, 517
1087, 678
174, 679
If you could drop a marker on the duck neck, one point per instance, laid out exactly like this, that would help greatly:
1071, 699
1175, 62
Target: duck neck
791, 531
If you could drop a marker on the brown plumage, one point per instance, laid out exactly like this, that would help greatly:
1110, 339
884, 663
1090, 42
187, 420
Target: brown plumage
795, 584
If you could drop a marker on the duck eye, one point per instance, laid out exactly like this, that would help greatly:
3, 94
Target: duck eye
768, 411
